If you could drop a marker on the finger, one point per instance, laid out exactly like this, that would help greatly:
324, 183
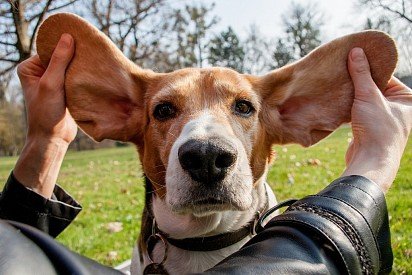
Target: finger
349, 152
30, 67
365, 87
60, 59
395, 86
393, 82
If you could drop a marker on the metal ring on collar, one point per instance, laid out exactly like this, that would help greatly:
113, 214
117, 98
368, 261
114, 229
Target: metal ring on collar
150, 244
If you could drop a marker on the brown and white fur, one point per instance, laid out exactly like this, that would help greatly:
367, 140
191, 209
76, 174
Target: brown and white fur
112, 98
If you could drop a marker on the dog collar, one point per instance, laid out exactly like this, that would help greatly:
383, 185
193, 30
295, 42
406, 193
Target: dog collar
209, 243
215, 242
223, 240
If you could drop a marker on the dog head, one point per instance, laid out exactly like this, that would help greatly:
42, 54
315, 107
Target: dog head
204, 136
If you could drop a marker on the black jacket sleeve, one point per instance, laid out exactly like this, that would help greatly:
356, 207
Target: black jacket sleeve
342, 230
51, 216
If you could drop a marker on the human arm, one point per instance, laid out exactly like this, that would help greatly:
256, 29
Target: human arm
344, 228
31, 195
50, 126
381, 124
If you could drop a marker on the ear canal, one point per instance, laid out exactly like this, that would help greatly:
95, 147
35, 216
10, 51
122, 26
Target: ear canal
104, 90
307, 100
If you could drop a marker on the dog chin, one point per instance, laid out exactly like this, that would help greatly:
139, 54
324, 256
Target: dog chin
204, 207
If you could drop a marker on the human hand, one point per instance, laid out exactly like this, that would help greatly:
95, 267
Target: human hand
50, 126
381, 124
43, 91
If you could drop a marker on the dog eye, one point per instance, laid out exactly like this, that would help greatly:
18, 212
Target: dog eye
164, 111
244, 108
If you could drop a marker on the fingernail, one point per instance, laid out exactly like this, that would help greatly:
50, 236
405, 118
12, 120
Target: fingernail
357, 54
65, 40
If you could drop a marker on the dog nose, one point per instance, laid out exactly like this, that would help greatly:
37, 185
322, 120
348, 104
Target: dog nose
207, 161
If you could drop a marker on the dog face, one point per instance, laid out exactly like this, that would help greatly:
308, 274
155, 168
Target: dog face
205, 135
202, 127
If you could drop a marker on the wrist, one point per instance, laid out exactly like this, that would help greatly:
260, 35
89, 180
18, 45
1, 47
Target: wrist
380, 168
39, 164
44, 139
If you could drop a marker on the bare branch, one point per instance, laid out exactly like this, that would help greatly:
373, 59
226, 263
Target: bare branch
7, 43
7, 32
9, 60
51, 10
41, 17
401, 14
5, 71
63, 6
8, 54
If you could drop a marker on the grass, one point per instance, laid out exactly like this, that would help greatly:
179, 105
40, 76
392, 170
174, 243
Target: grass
108, 184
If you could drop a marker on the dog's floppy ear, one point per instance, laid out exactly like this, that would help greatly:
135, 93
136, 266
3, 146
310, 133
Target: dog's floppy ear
307, 100
104, 90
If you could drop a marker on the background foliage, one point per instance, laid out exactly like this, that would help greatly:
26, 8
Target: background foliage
160, 35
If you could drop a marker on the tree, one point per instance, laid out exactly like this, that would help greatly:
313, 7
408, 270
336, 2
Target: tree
199, 16
257, 52
394, 17
19, 22
283, 54
12, 132
135, 26
184, 49
398, 9
381, 23
188, 38
226, 50
302, 34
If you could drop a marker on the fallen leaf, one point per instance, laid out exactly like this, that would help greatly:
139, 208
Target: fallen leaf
291, 179
112, 255
314, 162
114, 227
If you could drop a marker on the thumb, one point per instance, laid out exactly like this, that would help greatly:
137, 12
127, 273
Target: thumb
59, 61
365, 87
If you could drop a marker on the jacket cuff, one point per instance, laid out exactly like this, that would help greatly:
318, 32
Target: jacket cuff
21, 204
351, 214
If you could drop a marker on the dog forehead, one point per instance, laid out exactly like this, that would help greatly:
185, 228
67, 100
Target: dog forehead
208, 81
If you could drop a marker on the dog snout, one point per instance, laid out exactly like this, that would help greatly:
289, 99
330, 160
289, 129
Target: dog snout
207, 161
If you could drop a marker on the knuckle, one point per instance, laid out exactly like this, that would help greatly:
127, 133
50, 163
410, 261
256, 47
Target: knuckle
366, 90
362, 69
59, 55
20, 69
45, 84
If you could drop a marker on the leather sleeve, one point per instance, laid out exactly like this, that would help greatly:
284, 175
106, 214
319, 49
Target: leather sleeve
26, 250
343, 229
51, 216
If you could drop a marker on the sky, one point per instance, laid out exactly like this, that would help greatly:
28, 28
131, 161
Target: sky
340, 17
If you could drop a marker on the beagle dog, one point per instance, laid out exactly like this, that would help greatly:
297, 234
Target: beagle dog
205, 136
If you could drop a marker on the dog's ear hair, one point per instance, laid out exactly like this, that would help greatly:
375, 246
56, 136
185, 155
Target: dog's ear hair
104, 90
307, 100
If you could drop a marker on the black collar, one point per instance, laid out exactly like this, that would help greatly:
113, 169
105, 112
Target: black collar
209, 243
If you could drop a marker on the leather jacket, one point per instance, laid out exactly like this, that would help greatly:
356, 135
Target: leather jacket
343, 229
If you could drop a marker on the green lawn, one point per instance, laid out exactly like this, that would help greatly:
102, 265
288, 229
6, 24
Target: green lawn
108, 183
